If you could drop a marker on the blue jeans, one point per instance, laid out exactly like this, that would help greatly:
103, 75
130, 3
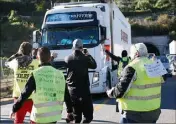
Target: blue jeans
127, 120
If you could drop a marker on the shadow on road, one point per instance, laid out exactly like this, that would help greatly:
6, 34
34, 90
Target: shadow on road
102, 121
6, 121
168, 98
103, 99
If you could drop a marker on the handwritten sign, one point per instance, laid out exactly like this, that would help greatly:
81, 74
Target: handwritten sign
155, 69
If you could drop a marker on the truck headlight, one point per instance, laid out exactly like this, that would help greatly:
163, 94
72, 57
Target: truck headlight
95, 77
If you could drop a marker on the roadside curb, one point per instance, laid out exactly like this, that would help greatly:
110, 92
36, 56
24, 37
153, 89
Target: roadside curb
6, 101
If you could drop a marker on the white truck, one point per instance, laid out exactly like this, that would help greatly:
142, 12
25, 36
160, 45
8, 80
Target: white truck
172, 56
99, 25
172, 47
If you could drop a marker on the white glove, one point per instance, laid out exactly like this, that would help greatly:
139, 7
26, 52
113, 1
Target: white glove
109, 92
54, 55
11, 115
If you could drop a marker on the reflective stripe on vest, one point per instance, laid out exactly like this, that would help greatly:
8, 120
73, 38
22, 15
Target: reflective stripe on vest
49, 96
143, 97
145, 92
48, 114
147, 86
48, 104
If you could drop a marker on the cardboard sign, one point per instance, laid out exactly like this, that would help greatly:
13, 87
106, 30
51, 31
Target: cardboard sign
155, 69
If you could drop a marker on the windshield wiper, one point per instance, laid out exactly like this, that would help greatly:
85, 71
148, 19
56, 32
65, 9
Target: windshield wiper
91, 41
66, 43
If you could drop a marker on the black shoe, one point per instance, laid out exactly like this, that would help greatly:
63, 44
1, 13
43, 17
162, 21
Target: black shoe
69, 118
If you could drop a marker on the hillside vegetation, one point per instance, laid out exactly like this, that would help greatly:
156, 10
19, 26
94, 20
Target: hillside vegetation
20, 19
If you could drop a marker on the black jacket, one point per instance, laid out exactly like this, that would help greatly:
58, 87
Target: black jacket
113, 57
77, 74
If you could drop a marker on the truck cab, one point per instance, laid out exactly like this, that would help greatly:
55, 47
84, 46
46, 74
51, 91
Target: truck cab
92, 22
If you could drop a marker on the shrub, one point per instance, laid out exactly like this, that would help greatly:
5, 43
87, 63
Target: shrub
14, 32
172, 36
149, 30
149, 18
163, 20
148, 27
21, 7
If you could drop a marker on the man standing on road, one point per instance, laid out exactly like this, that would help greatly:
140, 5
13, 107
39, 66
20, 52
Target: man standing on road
121, 63
78, 64
138, 94
22, 64
48, 85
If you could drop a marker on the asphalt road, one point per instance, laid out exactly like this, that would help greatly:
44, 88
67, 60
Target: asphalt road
104, 108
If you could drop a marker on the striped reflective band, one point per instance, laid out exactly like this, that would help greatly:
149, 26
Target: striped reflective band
146, 86
48, 114
48, 104
143, 97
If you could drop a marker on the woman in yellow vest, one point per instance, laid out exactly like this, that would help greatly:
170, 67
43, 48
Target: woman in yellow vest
48, 87
138, 94
23, 64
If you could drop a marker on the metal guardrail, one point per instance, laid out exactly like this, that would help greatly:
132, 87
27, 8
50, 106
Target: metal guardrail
6, 77
5, 72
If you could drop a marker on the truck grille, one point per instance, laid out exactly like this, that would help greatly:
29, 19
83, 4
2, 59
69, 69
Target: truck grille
60, 65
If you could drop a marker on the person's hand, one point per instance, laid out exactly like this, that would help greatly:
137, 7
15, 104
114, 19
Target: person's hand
85, 52
12, 115
109, 93
54, 55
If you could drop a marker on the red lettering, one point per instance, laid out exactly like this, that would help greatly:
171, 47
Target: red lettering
124, 37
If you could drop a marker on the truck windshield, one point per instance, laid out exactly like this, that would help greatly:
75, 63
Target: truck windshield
63, 37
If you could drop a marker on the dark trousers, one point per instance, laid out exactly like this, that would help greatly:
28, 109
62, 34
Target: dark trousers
68, 101
36, 123
82, 106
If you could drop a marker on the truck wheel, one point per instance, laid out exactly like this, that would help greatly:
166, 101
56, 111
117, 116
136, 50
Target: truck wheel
109, 80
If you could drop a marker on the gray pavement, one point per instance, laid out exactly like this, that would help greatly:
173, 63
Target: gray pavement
104, 108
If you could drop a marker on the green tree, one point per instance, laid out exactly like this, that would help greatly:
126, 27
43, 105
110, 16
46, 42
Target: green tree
143, 5
14, 17
163, 4
42, 5
173, 6
126, 5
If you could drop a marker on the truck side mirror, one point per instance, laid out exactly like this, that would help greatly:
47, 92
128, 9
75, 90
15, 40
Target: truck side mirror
36, 36
103, 33
35, 45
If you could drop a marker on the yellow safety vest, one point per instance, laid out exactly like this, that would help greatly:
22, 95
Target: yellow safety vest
122, 64
49, 96
145, 92
21, 75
